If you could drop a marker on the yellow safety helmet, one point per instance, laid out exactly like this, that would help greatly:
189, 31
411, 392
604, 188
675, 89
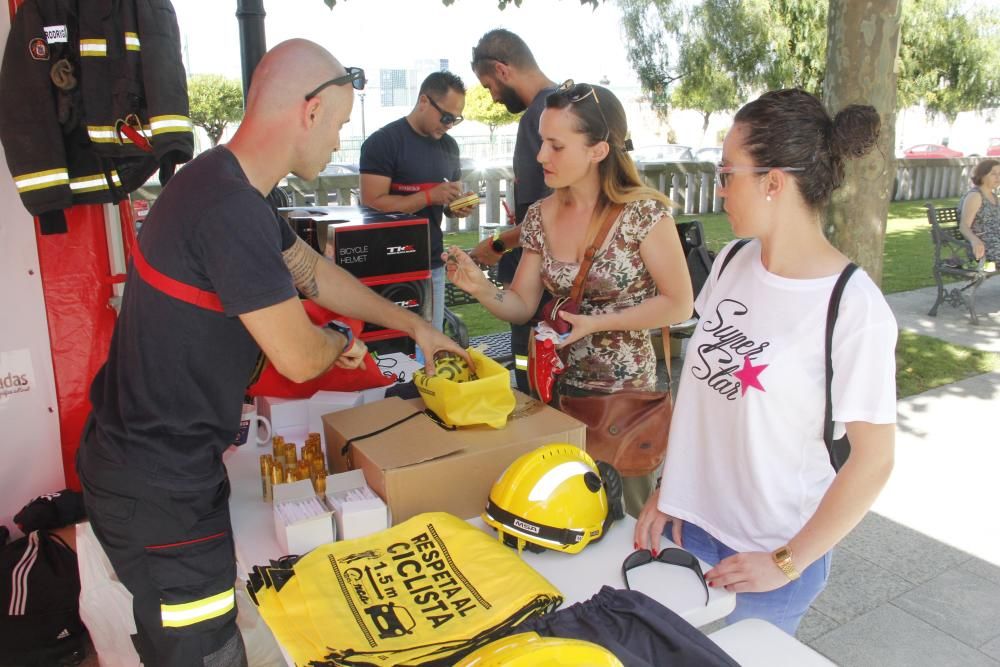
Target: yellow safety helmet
554, 497
528, 649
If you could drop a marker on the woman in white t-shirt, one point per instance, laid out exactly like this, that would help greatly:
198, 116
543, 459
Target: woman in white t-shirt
747, 484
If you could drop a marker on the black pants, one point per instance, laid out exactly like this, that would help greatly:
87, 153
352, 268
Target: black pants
173, 550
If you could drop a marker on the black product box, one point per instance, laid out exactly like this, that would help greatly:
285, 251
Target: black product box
376, 247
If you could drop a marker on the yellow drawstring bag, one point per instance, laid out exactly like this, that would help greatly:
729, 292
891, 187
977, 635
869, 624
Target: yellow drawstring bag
461, 398
432, 588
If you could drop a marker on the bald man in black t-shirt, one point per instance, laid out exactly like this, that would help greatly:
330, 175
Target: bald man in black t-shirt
215, 281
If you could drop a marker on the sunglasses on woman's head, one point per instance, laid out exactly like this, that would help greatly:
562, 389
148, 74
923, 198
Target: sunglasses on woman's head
577, 92
355, 76
669, 556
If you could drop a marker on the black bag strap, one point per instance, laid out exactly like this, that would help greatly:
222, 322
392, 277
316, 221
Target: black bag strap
732, 253
725, 262
840, 449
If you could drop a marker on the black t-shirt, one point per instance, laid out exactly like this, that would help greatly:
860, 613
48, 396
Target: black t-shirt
529, 179
413, 163
167, 403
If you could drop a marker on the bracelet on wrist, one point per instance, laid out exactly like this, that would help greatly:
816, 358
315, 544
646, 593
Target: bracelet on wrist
427, 197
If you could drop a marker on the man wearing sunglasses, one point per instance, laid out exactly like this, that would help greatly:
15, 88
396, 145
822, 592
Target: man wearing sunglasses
214, 282
411, 165
505, 66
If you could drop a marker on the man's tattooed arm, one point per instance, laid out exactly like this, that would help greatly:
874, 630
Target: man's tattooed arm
498, 296
301, 261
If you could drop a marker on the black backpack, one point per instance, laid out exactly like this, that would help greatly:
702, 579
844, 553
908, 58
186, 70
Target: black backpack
39, 603
840, 448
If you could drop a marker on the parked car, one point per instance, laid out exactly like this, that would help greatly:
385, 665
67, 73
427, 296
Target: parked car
993, 150
663, 153
334, 169
711, 154
925, 151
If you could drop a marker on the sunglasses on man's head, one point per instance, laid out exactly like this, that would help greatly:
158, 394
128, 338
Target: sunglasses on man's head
355, 76
447, 118
724, 171
577, 92
670, 556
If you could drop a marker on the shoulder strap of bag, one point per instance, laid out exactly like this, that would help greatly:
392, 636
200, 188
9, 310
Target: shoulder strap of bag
735, 249
831, 320
591, 252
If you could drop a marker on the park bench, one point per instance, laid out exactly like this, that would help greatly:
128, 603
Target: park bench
497, 345
953, 258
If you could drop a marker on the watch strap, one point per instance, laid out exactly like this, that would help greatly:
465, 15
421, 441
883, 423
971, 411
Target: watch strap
783, 559
345, 331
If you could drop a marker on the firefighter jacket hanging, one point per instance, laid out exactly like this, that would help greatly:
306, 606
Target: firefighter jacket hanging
94, 100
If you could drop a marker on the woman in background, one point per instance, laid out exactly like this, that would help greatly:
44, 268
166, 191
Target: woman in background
979, 211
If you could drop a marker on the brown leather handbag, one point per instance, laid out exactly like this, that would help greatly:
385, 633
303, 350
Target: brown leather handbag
627, 429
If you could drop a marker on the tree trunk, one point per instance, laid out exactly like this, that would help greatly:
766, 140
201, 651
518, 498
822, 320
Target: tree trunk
862, 46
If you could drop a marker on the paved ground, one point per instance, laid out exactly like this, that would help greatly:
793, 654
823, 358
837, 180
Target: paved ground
918, 582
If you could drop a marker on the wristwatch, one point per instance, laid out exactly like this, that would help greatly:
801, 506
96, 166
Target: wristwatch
499, 247
783, 559
344, 331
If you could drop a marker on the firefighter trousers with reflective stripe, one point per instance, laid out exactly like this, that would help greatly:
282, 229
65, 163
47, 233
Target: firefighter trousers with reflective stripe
173, 550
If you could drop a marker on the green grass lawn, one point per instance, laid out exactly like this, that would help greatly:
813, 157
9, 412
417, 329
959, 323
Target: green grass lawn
922, 362
908, 250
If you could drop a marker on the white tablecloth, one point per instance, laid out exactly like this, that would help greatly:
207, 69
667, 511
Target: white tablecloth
578, 576
756, 643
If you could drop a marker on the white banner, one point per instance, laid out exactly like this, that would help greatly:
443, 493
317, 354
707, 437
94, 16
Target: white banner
30, 451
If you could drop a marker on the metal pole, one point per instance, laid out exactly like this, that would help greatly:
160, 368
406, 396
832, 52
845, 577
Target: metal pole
116, 252
253, 43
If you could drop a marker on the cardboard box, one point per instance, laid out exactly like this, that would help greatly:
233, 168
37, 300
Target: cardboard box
355, 518
325, 402
419, 466
298, 537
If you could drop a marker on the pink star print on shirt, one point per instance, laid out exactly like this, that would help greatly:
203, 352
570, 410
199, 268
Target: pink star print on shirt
748, 376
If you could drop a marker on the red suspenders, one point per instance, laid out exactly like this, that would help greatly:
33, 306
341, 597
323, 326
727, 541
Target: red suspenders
175, 288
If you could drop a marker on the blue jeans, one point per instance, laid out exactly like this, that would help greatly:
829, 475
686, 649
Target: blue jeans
783, 607
437, 298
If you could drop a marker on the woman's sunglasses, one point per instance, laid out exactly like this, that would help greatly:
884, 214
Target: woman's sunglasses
577, 92
447, 118
355, 76
723, 172
670, 556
